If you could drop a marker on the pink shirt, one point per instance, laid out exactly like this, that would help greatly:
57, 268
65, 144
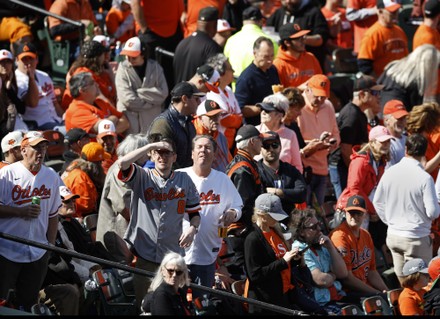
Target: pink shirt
311, 125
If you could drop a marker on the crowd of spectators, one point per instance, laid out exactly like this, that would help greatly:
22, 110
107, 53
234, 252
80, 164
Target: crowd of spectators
231, 146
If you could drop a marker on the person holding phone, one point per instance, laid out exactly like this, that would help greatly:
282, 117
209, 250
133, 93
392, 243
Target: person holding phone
270, 261
323, 259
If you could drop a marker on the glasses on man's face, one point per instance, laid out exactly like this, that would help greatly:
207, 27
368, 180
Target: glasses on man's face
273, 145
174, 271
163, 153
374, 93
313, 227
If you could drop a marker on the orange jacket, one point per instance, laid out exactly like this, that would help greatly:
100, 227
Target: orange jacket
81, 184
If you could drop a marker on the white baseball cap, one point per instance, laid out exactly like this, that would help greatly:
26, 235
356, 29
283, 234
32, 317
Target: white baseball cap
223, 25
132, 47
106, 127
67, 194
33, 138
5, 54
105, 41
11, 140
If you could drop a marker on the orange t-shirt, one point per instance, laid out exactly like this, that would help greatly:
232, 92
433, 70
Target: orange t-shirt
295, 71
411, 302
345, 37
194, 6
162, 16
427, 35
383, 45
361, 26
114, 19
73, 10
84, 115
358, 253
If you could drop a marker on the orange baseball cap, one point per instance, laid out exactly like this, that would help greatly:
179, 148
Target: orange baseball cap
320, 85
395, 108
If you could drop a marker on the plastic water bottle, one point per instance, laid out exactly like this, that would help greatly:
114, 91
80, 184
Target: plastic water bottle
118, 49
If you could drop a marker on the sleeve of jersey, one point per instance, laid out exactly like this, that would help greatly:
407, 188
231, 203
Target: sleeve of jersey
193, 199
128, 177
341, 244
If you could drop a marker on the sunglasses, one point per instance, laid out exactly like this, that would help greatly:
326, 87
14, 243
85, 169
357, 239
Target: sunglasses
313, 227
374, 93
172, 271
163, 153
274, 145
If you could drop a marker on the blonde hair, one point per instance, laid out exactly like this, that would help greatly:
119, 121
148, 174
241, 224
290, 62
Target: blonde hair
171, 258
417, 67
257, 218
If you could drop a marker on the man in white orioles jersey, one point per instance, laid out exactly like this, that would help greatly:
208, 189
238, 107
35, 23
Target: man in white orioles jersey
24, 267
221, 205
160, 199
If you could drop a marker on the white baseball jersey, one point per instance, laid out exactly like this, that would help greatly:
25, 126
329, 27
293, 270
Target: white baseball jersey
217, 195
17, 187
157, 210
45, 111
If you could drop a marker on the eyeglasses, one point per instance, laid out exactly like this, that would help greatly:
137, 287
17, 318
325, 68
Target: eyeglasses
172, 271
273, 145
313, 227
163, 153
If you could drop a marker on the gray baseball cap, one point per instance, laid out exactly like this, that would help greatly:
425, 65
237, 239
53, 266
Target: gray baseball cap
414, 266
271, 204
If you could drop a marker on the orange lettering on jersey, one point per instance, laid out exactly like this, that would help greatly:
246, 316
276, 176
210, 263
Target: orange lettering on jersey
24, 195
209, 198
150, 194
181, 204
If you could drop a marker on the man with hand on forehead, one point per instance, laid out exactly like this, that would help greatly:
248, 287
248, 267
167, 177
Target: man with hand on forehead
160, 199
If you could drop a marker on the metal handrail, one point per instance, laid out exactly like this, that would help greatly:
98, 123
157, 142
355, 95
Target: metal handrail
50, 247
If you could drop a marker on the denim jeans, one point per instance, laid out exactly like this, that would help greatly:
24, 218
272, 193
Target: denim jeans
317, 186
202, 275
335, 180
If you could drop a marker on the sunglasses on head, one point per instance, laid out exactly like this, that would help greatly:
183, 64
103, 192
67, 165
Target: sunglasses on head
273, 145
172, 271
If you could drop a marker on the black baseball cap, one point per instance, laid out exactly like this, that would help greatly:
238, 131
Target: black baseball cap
247, 131
366, 82
292, 31
208, 14
74, 135
185, 88
432, 8
26, 49
356, 203
271, 136
252, 13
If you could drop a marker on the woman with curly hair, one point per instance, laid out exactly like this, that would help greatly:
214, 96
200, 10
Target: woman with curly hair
412, 79
92, 59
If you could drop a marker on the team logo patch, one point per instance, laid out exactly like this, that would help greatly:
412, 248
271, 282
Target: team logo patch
356, 202
297, 27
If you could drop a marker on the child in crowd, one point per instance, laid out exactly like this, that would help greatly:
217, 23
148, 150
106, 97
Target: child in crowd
414, 283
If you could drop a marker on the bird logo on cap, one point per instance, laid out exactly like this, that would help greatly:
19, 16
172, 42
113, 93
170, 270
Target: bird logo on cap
297, 27
130, 44
213, 105
11, 141
356, 201
323, 84
26, 48
4, 53
106, 126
